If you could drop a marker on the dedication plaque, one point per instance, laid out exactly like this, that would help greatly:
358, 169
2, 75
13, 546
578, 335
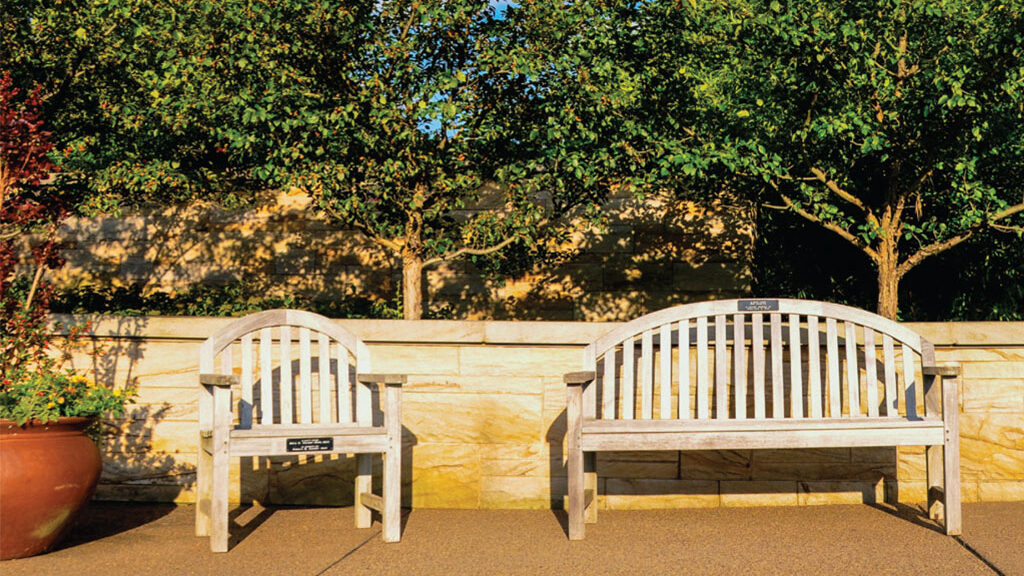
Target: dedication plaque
758, 305
309, 444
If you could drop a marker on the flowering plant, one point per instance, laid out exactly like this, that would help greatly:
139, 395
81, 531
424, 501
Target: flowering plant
46, 396
34, 385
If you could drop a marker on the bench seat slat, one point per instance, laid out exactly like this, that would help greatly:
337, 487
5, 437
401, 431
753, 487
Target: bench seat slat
594, 426
857, 436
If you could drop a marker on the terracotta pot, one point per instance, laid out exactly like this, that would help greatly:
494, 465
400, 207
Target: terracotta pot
49, 472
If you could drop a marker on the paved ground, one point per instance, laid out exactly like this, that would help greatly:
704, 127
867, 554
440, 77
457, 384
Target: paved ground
115, 539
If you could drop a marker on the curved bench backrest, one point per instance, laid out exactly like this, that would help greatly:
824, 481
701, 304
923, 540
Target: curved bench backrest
739, 359
295, 367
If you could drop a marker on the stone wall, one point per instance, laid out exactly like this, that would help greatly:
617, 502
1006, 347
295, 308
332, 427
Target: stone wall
649, 255
484, 425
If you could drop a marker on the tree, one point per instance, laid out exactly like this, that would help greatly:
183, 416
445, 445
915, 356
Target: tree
391, 114
24, 208
899, 126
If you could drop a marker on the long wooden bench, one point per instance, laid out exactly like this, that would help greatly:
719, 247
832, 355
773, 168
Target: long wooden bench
753, 374
302, 390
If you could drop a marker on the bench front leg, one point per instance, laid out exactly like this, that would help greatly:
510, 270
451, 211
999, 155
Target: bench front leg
943, 461
575, 459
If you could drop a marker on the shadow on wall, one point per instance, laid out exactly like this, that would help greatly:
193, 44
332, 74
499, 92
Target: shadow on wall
651, 254
275, 250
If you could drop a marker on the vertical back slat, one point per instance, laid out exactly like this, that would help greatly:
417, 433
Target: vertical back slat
852, 371
245, 407
889, 357
835, 400
778, 391
665, 351
796, 386
305, 378
739, 370
287, 390
684, 369
266, 378
702, 368
324, 370
870, 371
721, 368
813, 368
647, 374
344, 385
363, 399
628, 398
909, 382
757, 352
608, 385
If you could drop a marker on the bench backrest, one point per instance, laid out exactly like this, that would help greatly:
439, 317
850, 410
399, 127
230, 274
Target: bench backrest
294, 367
741, 359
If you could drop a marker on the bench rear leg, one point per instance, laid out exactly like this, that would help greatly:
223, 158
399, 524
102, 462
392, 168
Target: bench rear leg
364, 477
935, 478
590, 487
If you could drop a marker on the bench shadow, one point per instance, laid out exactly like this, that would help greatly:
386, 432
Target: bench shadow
101, 520
914, 513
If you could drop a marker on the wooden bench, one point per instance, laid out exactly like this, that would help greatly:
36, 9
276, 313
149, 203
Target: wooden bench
299, 394
714, 376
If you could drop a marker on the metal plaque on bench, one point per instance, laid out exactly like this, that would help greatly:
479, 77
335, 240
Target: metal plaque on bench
758, 305
309, 444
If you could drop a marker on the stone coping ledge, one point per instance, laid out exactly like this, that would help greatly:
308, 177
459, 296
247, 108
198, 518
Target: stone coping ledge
494, 331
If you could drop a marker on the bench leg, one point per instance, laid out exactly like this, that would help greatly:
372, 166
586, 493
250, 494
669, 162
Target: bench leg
590, 487
392, 512
951, 457
364, 477
576, 495
219, 473
219, 502
204, 466
933, 469
573, 436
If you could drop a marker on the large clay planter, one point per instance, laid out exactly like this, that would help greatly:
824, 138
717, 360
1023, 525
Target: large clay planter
47, 474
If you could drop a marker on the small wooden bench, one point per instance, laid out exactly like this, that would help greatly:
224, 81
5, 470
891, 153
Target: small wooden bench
714, 376
301, 393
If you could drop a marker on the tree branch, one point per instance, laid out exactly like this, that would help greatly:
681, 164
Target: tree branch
471, 251
1017, 208
844, 234
831, 185
931, 250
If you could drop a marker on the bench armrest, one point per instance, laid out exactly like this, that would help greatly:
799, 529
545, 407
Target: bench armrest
386, 379
947, 370
222, 380
579, 378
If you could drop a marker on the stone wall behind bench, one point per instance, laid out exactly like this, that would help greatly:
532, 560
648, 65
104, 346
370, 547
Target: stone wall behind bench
651, 254
484, 422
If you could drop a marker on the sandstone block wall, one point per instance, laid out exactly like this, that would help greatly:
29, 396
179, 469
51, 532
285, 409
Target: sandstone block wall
484, 425
650, 255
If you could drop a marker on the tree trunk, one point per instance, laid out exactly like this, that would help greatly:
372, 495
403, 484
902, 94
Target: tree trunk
888, 279
412, 286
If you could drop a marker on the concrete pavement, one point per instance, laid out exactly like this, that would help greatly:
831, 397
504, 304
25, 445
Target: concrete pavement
152, 539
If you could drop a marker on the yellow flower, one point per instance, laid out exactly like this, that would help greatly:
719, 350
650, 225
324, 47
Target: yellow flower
117, 392
60, 400
50, 405
78, 378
